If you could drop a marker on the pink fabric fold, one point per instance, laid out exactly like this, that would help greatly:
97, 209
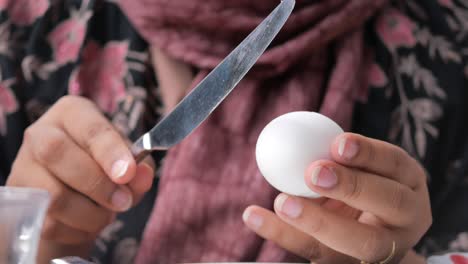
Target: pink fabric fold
317, 63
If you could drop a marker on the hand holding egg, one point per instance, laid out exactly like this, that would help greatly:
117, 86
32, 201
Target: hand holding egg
375, 204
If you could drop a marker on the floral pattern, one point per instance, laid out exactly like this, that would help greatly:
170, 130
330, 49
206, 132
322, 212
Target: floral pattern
446, 3
8, 104
461, 243
3, 4
101, 75
80, 52
24, 12
5, 39
415, 122
376, 76
438, 46
67, 38
396, 30
69, 57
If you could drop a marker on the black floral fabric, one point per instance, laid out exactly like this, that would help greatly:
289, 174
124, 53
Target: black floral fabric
417, 96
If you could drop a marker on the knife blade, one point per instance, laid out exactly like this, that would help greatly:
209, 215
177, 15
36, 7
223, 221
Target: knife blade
212, 90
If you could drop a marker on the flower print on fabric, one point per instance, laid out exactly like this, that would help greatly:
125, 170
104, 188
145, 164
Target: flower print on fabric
66, 41
67, 38
6, 41
423, 108
8, 103
25, 12
101, 74
376, 76
460, 244
446, 3
396, 30
3, 4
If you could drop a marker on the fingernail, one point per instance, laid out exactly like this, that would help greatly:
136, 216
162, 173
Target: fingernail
119, 169
347, 148
121, 199
253, 220
323, 177
289, 206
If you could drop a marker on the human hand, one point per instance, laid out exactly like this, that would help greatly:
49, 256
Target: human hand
75, 153
376, 195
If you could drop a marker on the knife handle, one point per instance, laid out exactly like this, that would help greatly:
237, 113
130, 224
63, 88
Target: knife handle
138, 150
70, 260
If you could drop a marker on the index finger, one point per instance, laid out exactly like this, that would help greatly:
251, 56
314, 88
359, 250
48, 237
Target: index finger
377, 157
88, 127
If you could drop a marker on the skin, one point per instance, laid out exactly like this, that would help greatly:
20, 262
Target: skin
72, 152
379, 196
85, 164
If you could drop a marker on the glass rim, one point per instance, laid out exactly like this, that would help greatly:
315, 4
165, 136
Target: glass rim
8, 190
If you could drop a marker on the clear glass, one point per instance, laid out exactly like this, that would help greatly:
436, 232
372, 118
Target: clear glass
22, 212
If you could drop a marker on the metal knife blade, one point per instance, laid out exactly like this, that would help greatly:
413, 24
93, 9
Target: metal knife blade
212, 90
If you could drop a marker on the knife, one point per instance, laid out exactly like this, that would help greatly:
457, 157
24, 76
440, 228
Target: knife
212, 90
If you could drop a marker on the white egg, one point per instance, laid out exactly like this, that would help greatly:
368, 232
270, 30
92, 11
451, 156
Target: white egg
289, 144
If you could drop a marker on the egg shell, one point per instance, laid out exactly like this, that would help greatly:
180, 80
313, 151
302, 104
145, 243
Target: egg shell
289, 144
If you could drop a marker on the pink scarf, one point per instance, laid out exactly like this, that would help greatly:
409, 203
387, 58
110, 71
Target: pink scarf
317, 63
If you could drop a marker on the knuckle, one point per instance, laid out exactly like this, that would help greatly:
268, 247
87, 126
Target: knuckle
370, 247
67, 101
430, 221
399, 156
317, 225
408, 165
94, 186
426, 226
369, 155
52, 147
426, 222
58, 200
53, 230
50, 229
275, 234
397, 199
311, 251
29, 134
32, 134
15, 178
421, 174
95, 131
353, 188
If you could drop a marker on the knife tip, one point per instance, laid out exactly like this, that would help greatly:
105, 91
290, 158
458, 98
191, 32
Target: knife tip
289, 3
